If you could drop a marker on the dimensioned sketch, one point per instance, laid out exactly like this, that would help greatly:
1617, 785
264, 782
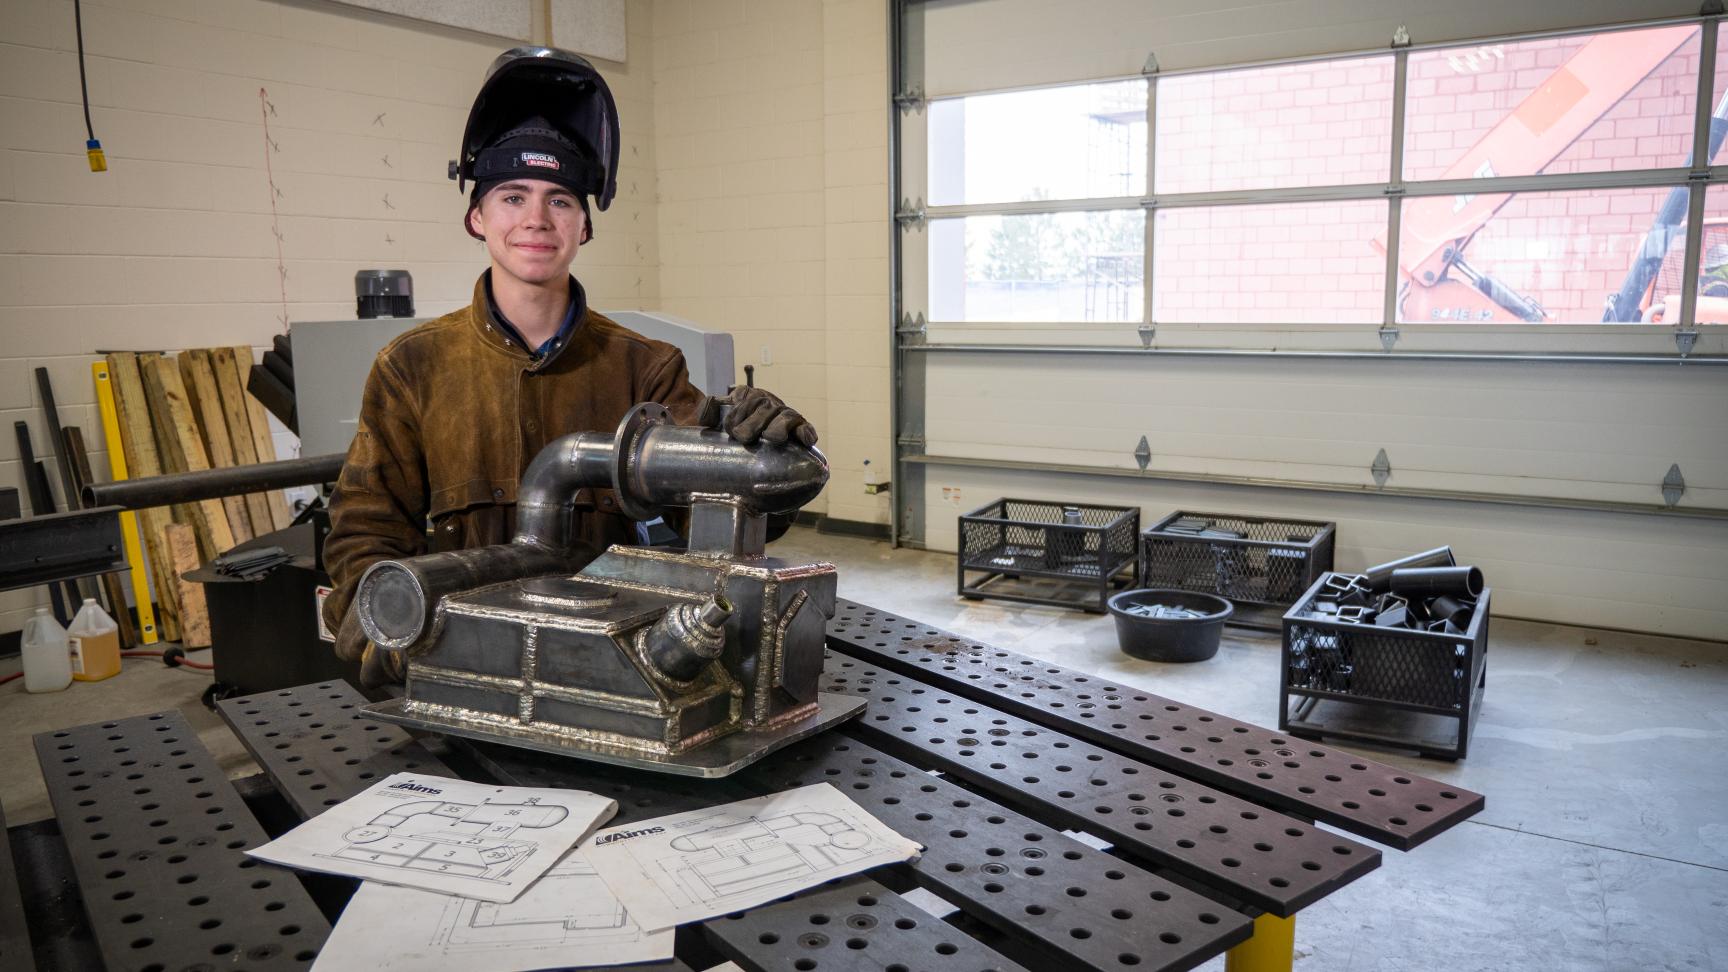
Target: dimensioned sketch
695, 865
469, 840
569, 905
736, 856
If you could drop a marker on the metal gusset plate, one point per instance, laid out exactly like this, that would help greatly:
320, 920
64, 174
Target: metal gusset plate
155, 833
14, 933
856, 924
1078, 907
1256, 855
1366, 798
317, 748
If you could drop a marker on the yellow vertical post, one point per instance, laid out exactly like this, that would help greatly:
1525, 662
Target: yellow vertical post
128, 520
1272, 949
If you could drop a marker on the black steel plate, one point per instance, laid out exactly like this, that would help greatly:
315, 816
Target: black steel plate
14, 933
1256, 855
317, 747
855, 924
1079, 907
155, 833
1366, 798
1012, 873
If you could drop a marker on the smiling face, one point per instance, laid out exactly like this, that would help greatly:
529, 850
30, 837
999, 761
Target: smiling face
532, 229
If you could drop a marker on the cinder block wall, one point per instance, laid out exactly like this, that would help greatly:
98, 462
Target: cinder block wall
259, 153
771, 127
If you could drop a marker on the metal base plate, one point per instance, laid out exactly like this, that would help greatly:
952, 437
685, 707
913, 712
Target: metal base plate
722, 757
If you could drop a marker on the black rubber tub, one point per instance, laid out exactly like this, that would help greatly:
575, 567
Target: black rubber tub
1170, 639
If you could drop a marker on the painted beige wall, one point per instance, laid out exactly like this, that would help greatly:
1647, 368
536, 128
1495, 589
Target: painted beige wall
771, 127
176, 245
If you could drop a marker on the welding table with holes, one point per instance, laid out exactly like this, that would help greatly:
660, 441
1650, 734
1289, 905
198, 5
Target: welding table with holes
990, 759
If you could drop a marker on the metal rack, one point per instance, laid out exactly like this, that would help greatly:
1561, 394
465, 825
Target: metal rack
1260, 564
1085, 549
1382, 685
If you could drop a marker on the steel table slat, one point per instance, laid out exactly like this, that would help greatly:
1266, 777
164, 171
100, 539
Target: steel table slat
855, 923
1256, 855
154, 831
1014, 874
1356, 794
15, 952
317, 748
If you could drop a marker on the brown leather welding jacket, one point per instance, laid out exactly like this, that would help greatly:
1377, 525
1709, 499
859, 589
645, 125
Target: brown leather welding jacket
453, 412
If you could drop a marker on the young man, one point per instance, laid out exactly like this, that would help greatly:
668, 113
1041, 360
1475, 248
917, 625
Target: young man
455, 409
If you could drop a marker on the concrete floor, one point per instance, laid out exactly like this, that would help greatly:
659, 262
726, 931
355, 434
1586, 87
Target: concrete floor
1603, 846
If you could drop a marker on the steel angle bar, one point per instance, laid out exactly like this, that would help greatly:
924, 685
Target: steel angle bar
155, 831
59, 546
1366, 798
317, 748
1255, 855
856, 924
1076, 906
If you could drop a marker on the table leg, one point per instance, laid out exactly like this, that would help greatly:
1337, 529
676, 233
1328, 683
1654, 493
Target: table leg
1272, 949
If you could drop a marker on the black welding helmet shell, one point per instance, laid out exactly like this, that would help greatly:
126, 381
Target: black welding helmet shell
545, 83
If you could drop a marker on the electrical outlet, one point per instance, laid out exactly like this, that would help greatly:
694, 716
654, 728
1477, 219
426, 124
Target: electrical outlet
767, 355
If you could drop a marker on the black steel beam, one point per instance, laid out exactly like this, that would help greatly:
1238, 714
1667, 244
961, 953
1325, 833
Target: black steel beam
60, 546
1354, 793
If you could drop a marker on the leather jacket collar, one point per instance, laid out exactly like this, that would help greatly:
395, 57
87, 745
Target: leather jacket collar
489, 323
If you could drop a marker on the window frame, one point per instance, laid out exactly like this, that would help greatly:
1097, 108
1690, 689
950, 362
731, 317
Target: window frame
1389, 334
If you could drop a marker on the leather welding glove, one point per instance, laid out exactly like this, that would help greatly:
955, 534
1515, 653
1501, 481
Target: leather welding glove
759, 414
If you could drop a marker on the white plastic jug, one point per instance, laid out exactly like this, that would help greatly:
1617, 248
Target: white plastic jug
93, 641
47, 663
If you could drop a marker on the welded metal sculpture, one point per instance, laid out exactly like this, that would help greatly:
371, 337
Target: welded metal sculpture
696, 661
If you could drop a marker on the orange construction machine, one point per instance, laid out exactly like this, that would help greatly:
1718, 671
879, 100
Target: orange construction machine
1437, 284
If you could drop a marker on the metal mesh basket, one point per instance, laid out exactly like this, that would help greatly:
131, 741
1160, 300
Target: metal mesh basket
1076, 543
1393, 668
1248, 560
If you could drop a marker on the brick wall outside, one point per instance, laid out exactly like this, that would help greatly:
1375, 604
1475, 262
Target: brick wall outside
1329, 123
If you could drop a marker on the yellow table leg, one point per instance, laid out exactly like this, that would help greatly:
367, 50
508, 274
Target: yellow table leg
1272, 949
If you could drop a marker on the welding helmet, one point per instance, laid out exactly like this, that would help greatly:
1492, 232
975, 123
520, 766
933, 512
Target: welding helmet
541, 107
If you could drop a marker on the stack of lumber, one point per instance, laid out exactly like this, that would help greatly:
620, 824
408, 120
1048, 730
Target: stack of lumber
189, 413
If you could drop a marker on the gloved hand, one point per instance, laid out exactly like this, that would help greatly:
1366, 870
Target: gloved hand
758, 414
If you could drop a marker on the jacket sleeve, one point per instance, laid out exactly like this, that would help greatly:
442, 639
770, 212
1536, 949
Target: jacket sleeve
668, 382
378, 509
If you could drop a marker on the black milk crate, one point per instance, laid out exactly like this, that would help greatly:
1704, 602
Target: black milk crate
1014, 539
1262, 572
1397, 687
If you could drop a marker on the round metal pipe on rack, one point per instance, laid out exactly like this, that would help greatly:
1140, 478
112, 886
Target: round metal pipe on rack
152, 491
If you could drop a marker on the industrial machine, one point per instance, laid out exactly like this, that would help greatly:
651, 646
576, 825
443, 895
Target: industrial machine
696, 661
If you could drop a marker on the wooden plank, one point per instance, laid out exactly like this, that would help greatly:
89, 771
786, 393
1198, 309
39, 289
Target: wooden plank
172, 416
182, 543
262, 441
138, 443
72, 444
201, 392
231, 366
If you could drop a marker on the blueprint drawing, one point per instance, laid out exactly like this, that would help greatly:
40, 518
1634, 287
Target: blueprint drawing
695, 865
470, 839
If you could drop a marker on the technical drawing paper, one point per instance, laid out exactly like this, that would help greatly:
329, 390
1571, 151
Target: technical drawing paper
567, 919
472, 839
695, 865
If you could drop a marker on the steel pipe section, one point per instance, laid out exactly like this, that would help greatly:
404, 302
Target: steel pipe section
1378, 578
151, 491
649, 463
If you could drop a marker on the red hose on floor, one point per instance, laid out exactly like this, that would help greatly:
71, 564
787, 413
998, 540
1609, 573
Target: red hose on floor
174, 657
10, 677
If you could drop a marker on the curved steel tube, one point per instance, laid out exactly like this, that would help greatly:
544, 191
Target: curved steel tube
650, 464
